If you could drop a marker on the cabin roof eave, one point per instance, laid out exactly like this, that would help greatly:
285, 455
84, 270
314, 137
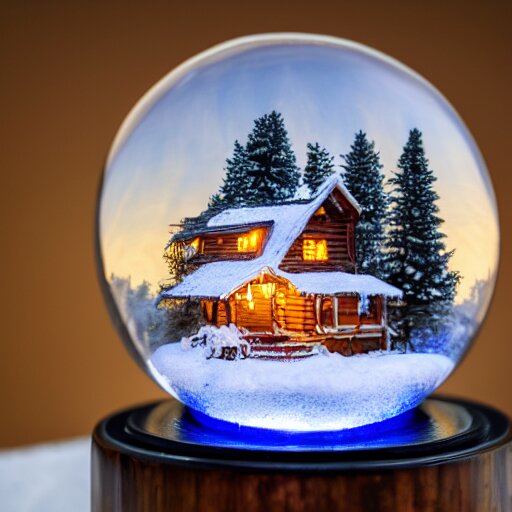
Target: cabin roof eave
220, 279
220, 230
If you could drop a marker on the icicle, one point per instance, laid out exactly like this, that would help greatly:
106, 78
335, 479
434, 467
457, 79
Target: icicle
250, 301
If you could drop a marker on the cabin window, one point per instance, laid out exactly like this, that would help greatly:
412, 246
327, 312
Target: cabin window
250, 242
195, 245
314, 250
372, 312
320, 215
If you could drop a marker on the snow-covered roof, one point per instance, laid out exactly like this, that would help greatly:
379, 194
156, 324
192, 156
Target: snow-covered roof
220, 279
289, 220
329, 283
216, 280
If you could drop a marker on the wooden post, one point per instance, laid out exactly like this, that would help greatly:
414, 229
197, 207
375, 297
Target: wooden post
228, 312
335, 312
215, 310
131, 473
318, 315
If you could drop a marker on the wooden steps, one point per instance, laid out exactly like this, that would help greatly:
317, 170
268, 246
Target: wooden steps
281, 347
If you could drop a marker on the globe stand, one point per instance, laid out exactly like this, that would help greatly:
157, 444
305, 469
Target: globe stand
447, 455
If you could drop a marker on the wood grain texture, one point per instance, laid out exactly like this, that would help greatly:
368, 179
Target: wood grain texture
337, 228
127, 483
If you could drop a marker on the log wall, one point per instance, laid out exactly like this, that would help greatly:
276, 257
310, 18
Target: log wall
289, 310
337, 229
258, 319
294, 312
354, 343
222, 317
220, 245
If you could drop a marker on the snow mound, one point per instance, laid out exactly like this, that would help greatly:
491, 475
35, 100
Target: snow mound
320, 393
213, 339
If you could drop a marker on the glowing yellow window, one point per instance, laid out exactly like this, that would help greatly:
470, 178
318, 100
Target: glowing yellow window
195, 245
314, 250
250, 242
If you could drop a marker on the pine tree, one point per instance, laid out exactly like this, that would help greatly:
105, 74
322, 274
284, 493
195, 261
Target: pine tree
318, 168
274, 175
364, 179
233, 191
235, 188
264, 172
417, 256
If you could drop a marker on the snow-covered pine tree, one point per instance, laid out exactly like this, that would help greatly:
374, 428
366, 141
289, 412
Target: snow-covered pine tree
364, 179
318, 168
235, 188
416, 253
264, 172
274, 175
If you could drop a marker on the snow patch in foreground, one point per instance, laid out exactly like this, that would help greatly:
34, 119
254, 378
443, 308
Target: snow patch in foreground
323, 392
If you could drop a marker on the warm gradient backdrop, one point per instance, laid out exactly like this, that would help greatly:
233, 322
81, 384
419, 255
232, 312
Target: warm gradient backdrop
72, 71
170, 157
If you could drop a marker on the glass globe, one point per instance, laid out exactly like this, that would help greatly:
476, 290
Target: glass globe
297, 233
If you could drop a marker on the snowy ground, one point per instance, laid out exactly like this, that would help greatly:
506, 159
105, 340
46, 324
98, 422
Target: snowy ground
53, 477
323, 392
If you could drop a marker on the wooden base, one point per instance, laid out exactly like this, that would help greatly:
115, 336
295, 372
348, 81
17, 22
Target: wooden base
144, 460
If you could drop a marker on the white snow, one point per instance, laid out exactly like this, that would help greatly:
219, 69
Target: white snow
212, 339
52, 477
216, 280
363, 305
221, 278
323, 392
303, 192
340, 282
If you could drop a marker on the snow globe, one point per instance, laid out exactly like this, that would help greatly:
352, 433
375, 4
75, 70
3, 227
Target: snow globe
298, 240
296, 234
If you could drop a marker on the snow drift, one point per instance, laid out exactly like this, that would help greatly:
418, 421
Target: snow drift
320, 393
212, 339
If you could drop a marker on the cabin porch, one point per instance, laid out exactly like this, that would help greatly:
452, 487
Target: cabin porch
281, 322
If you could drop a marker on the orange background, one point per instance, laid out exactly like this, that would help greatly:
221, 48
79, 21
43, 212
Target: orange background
70, 73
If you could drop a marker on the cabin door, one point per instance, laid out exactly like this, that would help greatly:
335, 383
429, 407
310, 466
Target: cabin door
253, 307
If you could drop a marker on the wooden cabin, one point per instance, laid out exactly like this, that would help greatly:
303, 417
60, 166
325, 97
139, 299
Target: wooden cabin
287, 276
